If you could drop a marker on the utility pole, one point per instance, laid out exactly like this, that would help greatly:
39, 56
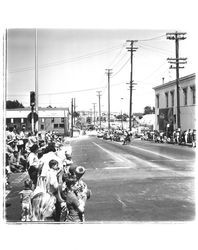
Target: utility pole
109, 72
94, 108
121, 113
74, 110
177, 61
72, 115
36, 77
99, 109
131, 49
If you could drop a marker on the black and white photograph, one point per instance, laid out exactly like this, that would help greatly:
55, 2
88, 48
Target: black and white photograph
99, 120
98, 106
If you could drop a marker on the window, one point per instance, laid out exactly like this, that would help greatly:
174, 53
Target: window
193, 94
185, 96
12, 120
52, 120
62, 119
61, 125
55, 125
42, 126
166, 96
157, 101
42, 120
22, 120
172, 98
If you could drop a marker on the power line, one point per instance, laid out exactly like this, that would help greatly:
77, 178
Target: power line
121, 67
153, 38
112, 64
162, 51
64, 61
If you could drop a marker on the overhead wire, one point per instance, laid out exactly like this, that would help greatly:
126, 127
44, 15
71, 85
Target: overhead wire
121, 67
159, 50
153, 38
70, 60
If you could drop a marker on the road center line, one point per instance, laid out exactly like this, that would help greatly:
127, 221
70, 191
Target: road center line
149, 151
108, 152
119, 199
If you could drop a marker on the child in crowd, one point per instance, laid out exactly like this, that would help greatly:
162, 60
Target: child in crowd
25, 196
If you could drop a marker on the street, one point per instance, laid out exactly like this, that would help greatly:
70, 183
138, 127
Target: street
143, 181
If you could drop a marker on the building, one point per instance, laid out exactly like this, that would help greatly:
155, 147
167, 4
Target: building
166, 104
49, 119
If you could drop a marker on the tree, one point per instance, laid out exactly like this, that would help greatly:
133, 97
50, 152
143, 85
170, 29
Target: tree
149, 110
13, 104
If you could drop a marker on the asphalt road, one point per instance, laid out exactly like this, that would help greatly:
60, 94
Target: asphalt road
143, 181
139, 182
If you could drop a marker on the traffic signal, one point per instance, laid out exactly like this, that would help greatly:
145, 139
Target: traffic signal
32, 98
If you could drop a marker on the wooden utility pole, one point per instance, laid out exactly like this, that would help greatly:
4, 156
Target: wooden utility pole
131, 49
72, 115
74, 111
94, 108
177, 61
109, 72
36, 77
99, 108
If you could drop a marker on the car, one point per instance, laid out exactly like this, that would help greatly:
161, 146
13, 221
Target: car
100, 135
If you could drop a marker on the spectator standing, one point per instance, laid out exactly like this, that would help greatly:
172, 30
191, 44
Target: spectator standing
33, 164
25, 196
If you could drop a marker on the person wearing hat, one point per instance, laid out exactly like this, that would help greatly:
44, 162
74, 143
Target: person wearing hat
80, 187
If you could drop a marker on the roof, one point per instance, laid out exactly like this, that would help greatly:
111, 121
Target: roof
181, 79
42, 112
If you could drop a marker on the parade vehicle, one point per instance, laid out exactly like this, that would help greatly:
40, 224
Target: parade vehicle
100, 134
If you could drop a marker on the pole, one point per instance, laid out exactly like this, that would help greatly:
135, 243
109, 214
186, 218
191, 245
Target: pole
121, 115
131, 49
177, 79
6, 62
36, 76
94, 108
177, 61
71, 118
32, 118
109, 72
99, 95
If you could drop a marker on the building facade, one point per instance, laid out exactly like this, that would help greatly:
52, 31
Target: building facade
49, 119
166, 104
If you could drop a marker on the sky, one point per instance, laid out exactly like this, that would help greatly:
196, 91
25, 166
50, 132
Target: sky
72, 64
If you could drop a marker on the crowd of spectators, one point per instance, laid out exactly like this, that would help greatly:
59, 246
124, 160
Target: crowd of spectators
53, 183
